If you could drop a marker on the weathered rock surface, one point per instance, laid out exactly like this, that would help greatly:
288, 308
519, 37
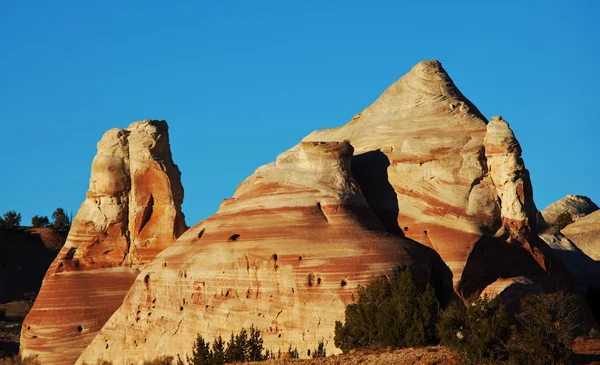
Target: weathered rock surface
286, 253
585, 233
584, 269
576, 205
579, 262
131, 213
436, 170
300, 234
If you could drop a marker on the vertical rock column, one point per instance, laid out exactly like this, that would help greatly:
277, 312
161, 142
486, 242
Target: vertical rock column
132, 211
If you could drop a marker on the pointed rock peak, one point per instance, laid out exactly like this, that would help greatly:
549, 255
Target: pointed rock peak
426, 86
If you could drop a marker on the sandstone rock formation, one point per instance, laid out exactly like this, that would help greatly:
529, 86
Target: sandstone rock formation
286, 253
132, 211
576, 205
452, 181
585, 233
579, 261
290, 248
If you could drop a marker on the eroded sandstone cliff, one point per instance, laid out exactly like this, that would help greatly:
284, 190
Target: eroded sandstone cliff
132, 211
286, 253
429, 177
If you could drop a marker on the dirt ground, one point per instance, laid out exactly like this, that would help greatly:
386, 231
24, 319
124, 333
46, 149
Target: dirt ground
437, 355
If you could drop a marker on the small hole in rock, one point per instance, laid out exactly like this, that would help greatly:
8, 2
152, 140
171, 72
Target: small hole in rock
299, 258
274, 256
343, 283
106, 346
201, 233
234, 237
79, 328
319, 281
425, 231
147, 279
279, 335
406, 228
181, 308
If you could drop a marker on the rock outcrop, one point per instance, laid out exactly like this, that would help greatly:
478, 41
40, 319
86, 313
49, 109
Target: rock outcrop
285, 254
579, 261
429, 178
576, 205
418, 179
585, 233
132, 211
452, 181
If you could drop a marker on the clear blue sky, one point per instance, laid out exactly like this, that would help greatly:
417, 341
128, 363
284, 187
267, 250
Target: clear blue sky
241, 81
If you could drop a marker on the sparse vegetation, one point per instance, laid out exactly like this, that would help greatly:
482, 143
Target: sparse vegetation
545, 329
39, 221
20, 360
481, 330
10, 220
320, 351
60, 220
242, 347
563, 220
395, 312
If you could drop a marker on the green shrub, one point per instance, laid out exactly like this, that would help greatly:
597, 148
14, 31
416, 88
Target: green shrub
320, 351
240, 348
545, 329
293, 354
395, 312
563, 220
481, 330
39, 221
10, 219
60, 219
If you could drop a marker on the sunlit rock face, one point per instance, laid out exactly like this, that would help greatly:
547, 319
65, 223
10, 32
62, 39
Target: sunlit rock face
132, 211
285, 254
418, 179
585, 233
576, 206
576, 245
434, 169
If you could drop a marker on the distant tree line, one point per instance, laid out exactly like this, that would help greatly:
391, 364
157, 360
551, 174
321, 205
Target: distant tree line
61, 220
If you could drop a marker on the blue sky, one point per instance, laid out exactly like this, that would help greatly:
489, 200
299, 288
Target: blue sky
241, 81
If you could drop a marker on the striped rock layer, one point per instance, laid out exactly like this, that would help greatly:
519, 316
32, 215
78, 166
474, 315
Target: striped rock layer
428, 179
132, 211
285, 254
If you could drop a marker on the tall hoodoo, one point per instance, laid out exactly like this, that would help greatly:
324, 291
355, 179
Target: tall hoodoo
508, 173
132, 211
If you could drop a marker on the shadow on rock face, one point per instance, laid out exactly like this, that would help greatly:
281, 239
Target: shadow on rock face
370, 171
493, 258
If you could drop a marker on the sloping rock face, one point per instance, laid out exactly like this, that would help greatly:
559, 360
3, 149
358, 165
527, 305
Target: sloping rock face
585, 233
579, 261
132, 211
285, 254
452, 181
576, 205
